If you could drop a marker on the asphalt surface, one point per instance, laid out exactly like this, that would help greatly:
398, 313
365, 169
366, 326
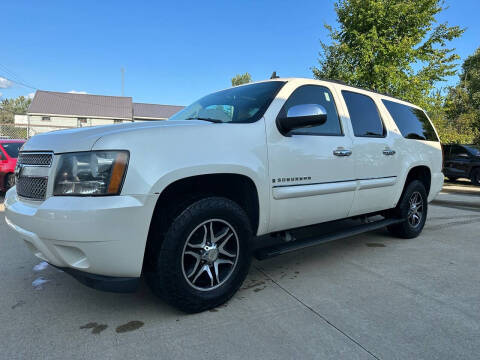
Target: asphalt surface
368, 297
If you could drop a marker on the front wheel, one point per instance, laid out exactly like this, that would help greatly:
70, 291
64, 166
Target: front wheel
412, 207
9, 181
204, 256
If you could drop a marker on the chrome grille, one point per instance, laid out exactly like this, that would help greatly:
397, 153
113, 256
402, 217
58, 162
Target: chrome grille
38, 159
31, 174
32, 187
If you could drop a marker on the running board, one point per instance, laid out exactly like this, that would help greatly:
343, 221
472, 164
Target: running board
283, 248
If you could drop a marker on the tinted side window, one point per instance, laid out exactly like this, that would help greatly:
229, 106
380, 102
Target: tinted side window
457, 150
315, 94
412, 122
366, 121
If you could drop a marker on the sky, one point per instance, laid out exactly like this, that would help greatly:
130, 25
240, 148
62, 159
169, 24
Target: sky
173, 52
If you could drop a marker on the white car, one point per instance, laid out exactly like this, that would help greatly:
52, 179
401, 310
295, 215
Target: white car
183, 201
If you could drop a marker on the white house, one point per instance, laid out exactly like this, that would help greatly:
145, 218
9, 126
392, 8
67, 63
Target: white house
56, 110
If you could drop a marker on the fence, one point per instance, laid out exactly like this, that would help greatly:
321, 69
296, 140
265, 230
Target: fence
24, 131
11, 131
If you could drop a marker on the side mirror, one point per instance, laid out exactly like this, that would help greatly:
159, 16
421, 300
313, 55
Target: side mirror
301, 116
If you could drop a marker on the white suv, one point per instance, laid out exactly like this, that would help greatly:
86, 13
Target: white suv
182, 201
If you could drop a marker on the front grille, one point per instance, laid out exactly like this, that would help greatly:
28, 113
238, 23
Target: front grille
32, 187
32, 174
38, 159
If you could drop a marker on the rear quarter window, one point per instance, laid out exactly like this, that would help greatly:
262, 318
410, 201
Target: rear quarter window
413, 123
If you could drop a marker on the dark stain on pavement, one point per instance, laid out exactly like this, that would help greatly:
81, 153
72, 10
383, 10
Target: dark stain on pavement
375, 245
18, 304
96, 328
130, 326
253, 284
260, 288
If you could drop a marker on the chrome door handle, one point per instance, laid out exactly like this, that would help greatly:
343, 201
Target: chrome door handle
388, 152
342, 152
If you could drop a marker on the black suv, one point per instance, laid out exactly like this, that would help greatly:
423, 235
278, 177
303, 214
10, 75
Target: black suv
462, 161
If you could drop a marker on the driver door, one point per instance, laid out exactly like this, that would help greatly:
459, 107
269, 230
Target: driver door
311, 170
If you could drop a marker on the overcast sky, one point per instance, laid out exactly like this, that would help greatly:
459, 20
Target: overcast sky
173, 52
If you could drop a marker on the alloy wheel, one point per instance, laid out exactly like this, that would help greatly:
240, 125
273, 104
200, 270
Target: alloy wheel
210, 254
415, 211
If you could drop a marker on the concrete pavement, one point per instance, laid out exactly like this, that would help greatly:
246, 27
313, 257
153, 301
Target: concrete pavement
368, 297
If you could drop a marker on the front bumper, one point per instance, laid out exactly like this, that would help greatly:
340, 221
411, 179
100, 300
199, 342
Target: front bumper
104, 283
103, 236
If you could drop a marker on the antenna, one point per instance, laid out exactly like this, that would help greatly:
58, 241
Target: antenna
123, 80
274, 75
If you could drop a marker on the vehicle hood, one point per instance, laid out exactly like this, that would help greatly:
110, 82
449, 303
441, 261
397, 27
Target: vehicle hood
83, 139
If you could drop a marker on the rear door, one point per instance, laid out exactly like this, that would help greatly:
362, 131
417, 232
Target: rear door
376, 161
460, 162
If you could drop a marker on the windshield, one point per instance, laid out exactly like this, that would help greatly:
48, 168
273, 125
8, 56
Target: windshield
12, 149
241, 104
473, 149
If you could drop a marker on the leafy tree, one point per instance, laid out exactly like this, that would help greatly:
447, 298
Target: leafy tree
463, 101
240, 79
10, 107
391, 46
459, 131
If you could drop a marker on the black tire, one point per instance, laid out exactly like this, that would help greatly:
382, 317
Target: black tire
411, 227
168, 276
476, 177
452, 179
9, 181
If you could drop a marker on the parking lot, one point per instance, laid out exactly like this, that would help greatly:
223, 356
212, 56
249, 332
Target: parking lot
371, 296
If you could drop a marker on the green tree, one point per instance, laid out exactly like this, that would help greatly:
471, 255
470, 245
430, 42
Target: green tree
391, 46
240, 79
10, 107
463, 101
459, 130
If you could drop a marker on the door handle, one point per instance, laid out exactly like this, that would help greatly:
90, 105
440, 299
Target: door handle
342, 152
389, 152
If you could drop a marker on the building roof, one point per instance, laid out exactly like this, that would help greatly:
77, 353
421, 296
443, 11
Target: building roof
84, 105
154, 111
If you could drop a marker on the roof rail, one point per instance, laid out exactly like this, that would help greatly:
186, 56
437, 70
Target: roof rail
336, 81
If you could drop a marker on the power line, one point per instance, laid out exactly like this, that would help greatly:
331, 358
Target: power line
63, 97
12, 73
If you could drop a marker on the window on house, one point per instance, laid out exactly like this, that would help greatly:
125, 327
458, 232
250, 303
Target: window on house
45, 118
81, 121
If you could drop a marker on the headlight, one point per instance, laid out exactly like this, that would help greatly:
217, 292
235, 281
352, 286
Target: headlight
90, 173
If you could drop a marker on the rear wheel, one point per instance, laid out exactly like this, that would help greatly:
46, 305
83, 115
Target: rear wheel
476, 177
9, 181
413, 208
204, 256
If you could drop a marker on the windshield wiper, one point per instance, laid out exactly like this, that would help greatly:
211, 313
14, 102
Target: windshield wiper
206, 119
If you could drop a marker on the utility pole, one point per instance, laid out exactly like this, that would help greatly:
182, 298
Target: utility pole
123, 81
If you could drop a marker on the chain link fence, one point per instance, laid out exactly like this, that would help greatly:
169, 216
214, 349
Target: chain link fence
22, 131
12, 131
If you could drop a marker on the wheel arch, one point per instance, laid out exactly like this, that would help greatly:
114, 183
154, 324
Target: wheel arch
184, 191
419, 172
